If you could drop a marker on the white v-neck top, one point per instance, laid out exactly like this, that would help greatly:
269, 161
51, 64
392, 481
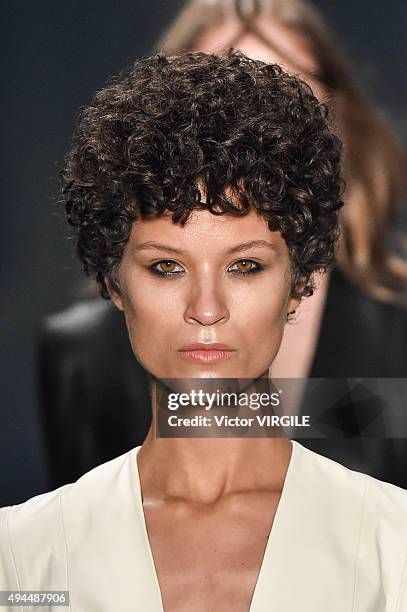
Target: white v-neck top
338, 542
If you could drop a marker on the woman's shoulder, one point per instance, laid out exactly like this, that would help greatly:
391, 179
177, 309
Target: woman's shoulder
354, 516
374, 511
27, 530
33, 533
379, 498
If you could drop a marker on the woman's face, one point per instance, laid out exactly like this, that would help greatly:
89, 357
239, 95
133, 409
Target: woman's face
218, 279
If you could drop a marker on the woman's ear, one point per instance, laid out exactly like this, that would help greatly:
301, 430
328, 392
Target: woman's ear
115, 296
293, 304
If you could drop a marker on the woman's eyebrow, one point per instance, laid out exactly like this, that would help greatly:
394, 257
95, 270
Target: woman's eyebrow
143, 246
251, 244
242, 246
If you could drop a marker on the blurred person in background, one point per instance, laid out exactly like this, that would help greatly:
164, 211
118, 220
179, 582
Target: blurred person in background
355, 324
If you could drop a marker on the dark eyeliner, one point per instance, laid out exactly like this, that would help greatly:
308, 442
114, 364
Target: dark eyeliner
259, 268
152, 268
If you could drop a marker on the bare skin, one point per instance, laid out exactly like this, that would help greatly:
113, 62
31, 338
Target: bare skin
208, 536
209, 503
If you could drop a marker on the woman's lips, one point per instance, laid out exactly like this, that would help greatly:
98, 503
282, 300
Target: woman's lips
206, 353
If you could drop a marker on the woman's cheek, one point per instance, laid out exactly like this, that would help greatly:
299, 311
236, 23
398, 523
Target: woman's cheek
269, 330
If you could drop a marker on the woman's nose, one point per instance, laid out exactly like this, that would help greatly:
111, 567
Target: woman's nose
206, 304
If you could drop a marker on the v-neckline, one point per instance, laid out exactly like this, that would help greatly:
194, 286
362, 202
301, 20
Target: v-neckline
276, 526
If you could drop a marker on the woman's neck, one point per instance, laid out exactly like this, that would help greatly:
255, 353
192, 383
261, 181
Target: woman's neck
205, 469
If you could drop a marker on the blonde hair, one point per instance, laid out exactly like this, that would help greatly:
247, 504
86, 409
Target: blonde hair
374, 165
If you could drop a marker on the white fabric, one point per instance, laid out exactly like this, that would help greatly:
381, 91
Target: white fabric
338, 542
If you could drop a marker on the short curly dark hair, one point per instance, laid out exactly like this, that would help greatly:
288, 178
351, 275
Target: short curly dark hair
245, 133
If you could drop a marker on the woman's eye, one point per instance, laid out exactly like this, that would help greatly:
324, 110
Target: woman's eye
245, 266
166, 267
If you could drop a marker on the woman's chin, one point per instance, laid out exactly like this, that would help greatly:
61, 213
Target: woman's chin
212, 371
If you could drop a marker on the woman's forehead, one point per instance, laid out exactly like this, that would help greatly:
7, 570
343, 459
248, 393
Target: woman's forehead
204, 231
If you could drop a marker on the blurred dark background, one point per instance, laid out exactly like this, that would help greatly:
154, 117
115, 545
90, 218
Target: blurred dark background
56, 55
